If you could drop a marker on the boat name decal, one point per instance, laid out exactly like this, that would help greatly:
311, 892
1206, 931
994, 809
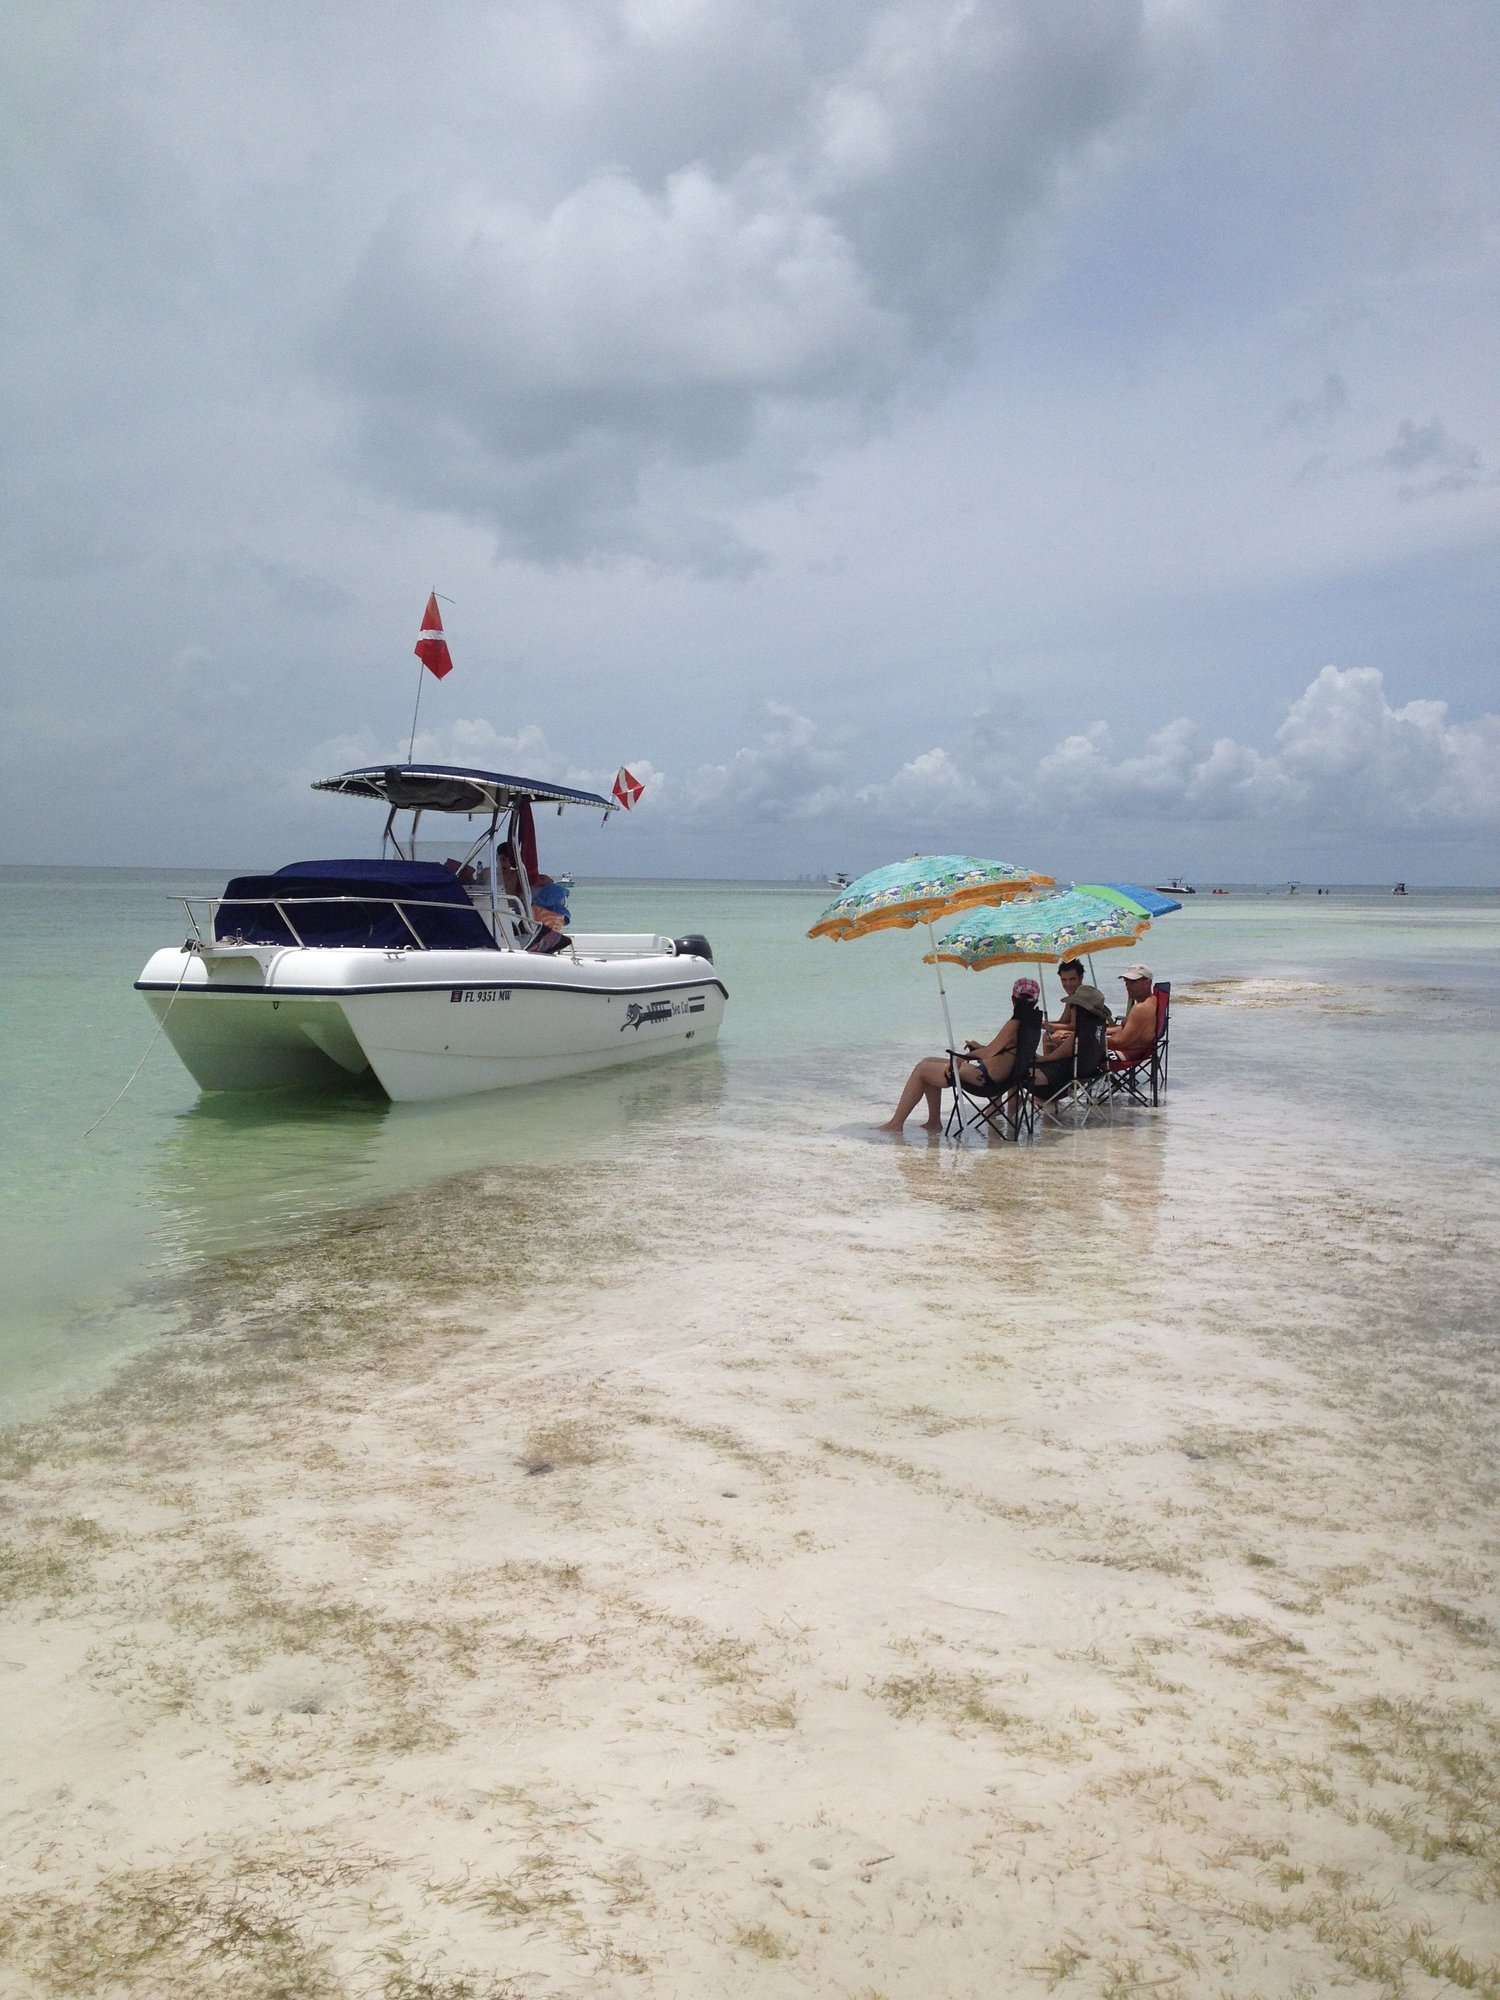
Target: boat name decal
637, 1016
479, 993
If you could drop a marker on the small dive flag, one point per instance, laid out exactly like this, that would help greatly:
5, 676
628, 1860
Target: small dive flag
627, 789
431, 647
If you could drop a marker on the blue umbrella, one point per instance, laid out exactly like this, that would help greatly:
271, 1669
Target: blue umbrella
1150, 901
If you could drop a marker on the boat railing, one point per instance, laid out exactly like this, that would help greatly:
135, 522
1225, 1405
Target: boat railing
281, 904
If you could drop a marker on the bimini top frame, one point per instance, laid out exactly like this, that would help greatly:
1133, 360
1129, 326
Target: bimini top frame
488, 795
452, 788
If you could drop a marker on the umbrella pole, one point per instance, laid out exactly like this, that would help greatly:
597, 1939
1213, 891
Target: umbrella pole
937, 966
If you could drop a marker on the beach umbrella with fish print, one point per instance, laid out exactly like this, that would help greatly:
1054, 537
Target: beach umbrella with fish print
927, 889
1040, 931
924, 890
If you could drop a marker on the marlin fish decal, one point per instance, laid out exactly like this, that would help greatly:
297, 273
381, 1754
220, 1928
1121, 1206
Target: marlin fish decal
637, 1016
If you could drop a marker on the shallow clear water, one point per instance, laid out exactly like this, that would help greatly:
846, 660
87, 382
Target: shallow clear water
1367, 1020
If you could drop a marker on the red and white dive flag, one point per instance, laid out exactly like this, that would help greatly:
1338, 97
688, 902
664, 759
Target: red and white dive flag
627, 789
431, 647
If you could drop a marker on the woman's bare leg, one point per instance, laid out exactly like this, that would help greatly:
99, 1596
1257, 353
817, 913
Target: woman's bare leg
926, 1080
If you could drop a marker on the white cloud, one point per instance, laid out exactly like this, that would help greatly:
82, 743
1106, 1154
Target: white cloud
783, 775
1175, 775
1346, 749
1342, 756
931, 786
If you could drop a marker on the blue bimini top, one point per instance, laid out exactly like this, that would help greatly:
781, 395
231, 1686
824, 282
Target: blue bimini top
315, 896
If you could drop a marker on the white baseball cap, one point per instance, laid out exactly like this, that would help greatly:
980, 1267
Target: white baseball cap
1136, 972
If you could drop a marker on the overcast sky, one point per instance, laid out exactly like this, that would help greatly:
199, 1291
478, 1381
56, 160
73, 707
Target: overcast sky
1064, 432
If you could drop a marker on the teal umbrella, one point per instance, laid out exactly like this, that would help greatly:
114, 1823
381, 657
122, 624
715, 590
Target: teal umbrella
1041, 930
923, 890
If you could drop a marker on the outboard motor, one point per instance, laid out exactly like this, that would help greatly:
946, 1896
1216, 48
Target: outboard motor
693, 946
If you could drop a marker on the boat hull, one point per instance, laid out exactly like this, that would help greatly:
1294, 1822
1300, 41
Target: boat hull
428, 1024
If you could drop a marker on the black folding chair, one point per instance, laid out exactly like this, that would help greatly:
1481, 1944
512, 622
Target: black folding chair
1007, 1107
1082, 1094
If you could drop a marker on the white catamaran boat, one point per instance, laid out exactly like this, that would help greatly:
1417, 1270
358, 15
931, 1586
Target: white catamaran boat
440, 971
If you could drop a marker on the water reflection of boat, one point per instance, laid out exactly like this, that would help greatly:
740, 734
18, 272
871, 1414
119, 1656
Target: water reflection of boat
442, 976
239, 1168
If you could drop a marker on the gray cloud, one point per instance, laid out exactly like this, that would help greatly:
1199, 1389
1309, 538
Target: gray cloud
881, 359
1432, 461
1308, 412
589, 275
568, 357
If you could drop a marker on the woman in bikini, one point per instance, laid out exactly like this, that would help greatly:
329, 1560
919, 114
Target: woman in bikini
987, 1069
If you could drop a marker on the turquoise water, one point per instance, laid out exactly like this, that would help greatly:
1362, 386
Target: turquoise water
1371, 1016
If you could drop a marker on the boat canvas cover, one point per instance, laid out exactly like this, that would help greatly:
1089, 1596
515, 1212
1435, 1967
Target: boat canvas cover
436, 903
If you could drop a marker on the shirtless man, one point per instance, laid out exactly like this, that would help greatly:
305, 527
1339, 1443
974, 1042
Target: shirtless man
1135, 1034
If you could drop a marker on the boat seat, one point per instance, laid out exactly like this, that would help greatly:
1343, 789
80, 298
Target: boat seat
621, 944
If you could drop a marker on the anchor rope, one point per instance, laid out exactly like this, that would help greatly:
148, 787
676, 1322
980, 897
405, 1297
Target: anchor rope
187, 961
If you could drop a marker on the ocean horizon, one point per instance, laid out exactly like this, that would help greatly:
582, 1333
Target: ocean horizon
171, 871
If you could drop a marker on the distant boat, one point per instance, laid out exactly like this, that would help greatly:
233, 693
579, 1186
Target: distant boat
839, 881
1399, 890
1175, 887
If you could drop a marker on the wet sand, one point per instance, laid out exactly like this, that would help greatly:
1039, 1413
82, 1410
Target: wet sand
783, 1564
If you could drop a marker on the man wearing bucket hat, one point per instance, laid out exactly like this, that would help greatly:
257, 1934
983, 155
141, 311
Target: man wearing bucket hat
989, 1067
1135, 1034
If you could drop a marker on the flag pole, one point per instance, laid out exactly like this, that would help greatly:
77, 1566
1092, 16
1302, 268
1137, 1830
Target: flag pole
412, 745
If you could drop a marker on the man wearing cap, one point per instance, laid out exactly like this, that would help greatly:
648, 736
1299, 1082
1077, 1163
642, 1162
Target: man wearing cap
1136, 1033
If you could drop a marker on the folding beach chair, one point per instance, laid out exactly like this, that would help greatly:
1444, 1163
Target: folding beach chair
1143, 1080
1007, 1108
1085, 1094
